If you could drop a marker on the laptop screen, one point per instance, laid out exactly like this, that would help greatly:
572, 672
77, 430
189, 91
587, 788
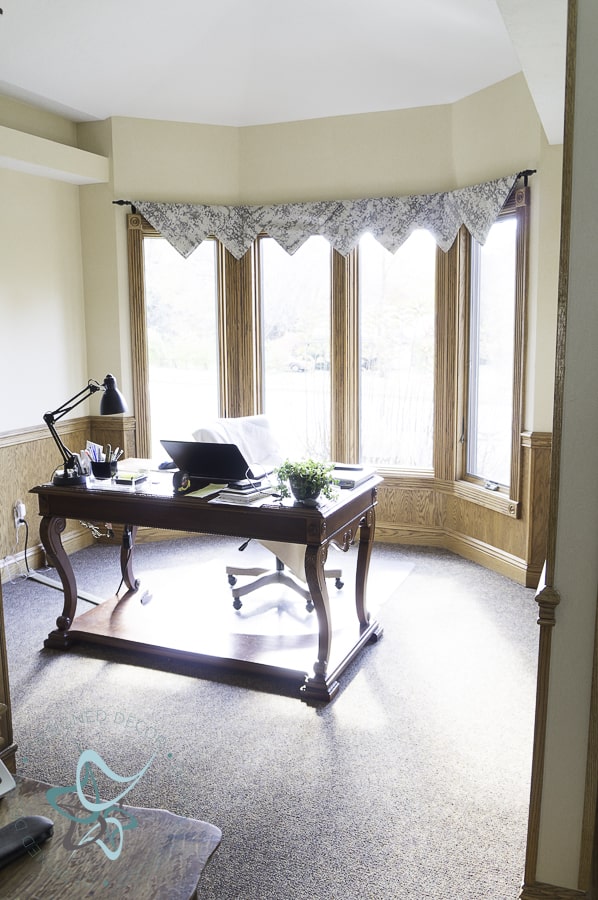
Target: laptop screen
214, 461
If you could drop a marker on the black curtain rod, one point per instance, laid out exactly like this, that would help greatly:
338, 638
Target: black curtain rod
525, 175
125, 203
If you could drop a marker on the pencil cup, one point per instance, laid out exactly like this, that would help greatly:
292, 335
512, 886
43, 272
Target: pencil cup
103, 470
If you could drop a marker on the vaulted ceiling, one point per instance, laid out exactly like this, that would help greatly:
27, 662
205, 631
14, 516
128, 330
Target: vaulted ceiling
238, 63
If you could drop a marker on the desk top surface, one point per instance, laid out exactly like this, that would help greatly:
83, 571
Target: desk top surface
153, 503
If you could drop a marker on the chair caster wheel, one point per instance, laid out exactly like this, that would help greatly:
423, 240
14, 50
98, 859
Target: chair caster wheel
339, 584
232, 580
237, 603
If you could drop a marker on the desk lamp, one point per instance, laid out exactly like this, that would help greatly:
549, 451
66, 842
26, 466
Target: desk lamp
112, 402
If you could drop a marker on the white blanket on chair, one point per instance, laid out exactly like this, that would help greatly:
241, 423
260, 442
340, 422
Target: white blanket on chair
252, 435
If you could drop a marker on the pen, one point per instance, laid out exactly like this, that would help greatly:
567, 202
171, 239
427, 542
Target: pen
108, 452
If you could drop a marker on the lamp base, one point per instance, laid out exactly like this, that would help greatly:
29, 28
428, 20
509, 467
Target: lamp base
69, 480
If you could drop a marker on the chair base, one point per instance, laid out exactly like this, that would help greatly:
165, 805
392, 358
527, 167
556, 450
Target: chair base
275, 576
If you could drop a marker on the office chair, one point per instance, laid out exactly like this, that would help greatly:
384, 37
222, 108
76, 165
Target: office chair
257, 442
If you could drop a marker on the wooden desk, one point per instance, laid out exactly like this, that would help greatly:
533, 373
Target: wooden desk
162, 857
121, 623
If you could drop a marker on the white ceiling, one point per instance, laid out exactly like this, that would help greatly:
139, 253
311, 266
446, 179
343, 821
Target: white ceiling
254, 62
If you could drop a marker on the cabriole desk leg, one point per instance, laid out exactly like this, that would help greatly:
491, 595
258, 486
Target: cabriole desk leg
366, 541
317, 688
126, 557
371, 630
50, 529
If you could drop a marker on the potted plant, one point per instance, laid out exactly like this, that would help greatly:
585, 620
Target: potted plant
307, 480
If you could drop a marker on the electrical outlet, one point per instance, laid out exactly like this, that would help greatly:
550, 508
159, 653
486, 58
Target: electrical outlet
19, 513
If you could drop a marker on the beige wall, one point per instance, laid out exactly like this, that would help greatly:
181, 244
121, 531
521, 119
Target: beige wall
495, 132
545, 237
43, 354
21, 117
348, 157
192, 163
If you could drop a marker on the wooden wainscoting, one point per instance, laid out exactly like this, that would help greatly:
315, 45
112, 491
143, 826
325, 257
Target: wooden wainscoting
478, 525
540, 891
118, 431
30, 457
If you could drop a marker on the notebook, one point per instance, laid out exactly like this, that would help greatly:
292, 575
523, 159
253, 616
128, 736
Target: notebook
220, 463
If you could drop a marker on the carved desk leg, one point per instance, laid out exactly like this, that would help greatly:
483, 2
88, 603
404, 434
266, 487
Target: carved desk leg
366, 542
126, 557
317, 688
50, 529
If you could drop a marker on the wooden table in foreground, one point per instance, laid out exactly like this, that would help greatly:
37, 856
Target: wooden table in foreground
174, 630
161, 858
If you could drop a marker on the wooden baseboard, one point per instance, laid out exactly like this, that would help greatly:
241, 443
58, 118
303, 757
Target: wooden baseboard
469, 548
36, 558
541, 891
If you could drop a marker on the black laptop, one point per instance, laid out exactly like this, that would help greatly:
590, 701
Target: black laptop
219, 463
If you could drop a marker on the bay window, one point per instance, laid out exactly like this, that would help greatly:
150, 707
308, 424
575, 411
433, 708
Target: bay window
410, 361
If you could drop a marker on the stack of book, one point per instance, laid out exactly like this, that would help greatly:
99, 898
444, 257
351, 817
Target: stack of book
245, 495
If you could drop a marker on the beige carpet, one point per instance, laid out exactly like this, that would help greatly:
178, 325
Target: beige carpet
413, 783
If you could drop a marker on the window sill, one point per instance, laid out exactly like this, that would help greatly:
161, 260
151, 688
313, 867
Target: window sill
475, 493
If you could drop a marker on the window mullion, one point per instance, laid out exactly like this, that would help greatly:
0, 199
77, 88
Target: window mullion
474, 360
136, 227
522, 207
448, 414
344, 355
238, 331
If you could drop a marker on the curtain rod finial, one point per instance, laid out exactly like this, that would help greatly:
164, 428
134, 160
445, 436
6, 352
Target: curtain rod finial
525, 175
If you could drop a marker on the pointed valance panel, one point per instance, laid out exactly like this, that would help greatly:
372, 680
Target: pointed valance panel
389, 219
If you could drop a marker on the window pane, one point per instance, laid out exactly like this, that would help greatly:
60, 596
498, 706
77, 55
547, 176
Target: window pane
295, 296
181, 309
397, 301
491, 353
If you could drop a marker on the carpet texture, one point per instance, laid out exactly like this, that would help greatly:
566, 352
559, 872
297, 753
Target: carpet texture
412, 784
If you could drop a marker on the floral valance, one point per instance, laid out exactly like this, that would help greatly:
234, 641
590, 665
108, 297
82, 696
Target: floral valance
389, 219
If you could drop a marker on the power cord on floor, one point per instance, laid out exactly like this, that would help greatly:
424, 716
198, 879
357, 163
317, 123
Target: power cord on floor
43, 579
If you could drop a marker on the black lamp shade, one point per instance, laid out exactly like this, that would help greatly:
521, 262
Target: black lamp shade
112, 401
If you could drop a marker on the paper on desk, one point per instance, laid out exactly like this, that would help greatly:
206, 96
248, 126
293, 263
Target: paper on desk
206, 491
240, 501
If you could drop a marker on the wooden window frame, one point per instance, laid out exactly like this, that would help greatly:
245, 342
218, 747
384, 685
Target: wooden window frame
507, 498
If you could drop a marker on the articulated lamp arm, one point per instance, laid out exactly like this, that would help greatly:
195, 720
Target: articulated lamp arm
112, 402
